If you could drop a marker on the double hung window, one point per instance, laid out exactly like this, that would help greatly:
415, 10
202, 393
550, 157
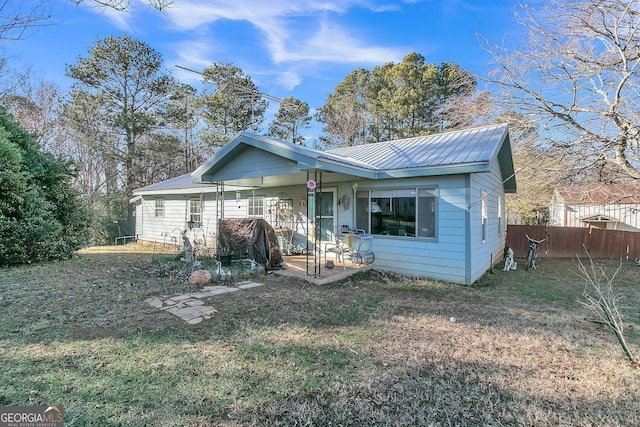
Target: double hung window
484, 216
159, 208
255, 206
195, 213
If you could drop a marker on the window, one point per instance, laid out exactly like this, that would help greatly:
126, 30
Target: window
195, 213
500, 216
255, 206
160, 208
397, 212
484, 216
427, 212
363, 217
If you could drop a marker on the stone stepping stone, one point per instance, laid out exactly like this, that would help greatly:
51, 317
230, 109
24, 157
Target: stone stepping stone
190, 307
249, 285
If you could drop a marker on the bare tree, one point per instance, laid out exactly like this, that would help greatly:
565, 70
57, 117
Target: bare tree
600, 298
536, 172
181, 117
122, 5
35, 106
16, 17
577, 76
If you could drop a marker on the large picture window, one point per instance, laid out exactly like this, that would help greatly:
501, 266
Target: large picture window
397, 212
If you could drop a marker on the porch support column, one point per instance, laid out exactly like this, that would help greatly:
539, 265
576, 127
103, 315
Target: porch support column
314, 186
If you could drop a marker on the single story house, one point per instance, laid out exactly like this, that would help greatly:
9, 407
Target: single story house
606, 206
434, 204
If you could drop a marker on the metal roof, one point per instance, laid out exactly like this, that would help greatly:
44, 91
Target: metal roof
179, 184
477, 145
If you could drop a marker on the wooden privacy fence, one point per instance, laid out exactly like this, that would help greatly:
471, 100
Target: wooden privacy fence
569, 242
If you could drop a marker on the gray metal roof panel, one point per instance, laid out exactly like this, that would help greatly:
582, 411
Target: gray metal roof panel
182, 182
450, 148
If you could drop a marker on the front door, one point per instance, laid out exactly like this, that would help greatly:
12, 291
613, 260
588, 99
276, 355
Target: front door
325, 215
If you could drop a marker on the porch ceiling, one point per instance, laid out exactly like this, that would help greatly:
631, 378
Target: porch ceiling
299, 178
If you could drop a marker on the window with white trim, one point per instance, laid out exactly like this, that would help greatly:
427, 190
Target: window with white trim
159, 208
195, 213
500, 202
484, 216
409, 212
255, 206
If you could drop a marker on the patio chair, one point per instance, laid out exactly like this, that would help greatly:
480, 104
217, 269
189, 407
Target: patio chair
340, 248
361, 249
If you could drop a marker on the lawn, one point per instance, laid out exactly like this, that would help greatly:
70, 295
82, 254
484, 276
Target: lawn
374, 350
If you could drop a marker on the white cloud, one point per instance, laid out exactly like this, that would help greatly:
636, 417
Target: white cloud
190, 14
289, 80
119, 20
331, 43
194, 53
284, 42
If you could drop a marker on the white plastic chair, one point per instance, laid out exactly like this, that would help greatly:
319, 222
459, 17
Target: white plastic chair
340, 248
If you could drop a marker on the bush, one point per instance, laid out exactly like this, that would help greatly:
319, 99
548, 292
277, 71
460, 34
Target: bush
41, 215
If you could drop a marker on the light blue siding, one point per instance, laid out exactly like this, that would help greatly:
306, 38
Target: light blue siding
256, 163
483, 254
456, 255
442, 258
168, 229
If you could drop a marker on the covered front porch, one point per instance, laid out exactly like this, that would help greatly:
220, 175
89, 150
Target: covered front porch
305, 195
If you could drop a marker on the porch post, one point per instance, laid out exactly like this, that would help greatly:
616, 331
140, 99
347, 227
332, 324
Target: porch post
314, 185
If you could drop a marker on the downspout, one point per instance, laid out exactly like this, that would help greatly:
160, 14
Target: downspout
467, 228
141, 218
353, 204
186, 211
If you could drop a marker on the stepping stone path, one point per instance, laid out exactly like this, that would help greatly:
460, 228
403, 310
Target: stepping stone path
190, 307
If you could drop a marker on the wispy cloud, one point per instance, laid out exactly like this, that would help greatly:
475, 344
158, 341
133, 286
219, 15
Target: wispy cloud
194, 52
120, 20
319, 40
332, 43
289, 79
190, 14
292, 34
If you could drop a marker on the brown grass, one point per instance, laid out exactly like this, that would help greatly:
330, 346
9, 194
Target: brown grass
373, 350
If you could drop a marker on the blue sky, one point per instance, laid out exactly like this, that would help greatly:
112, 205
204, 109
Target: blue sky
288, 47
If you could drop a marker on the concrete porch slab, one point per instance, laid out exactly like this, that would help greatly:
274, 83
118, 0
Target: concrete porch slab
296, 266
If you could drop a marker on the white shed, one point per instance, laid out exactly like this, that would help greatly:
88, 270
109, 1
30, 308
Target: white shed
606, 206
